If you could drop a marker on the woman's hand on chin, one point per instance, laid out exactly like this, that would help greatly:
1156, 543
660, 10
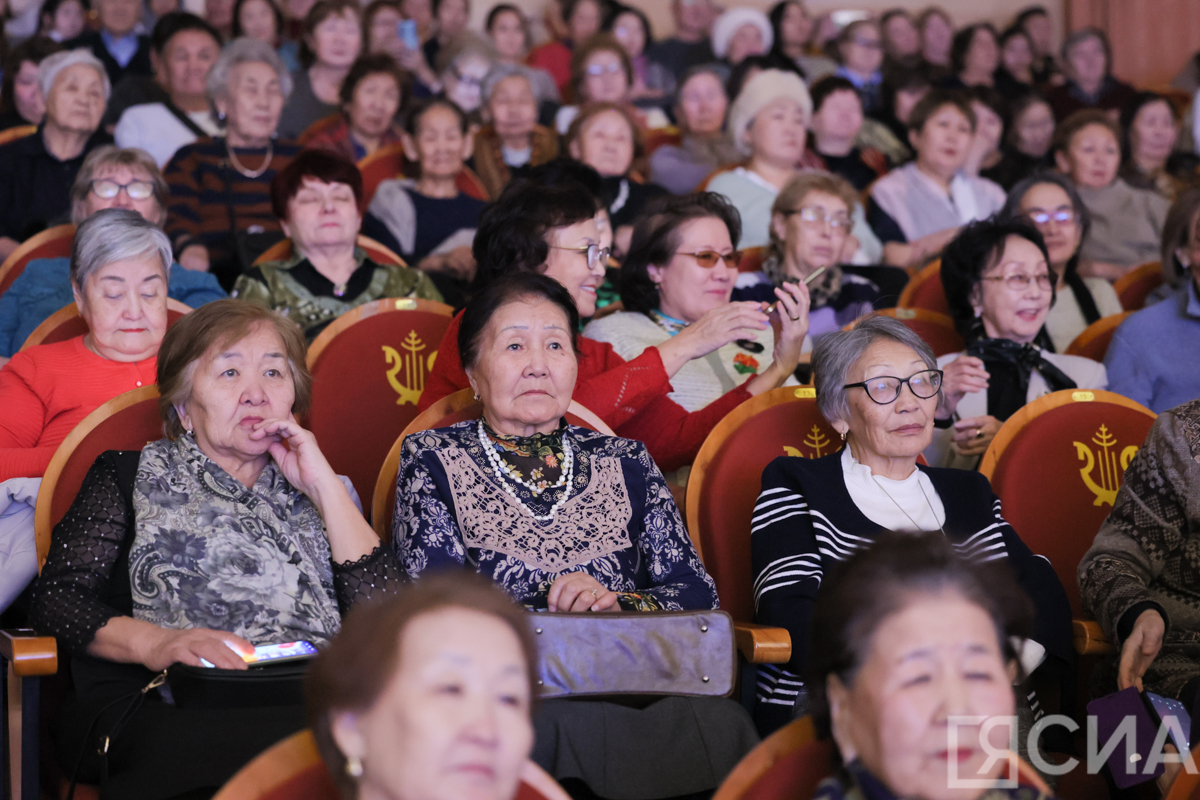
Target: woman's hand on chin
973, 435
298, 456
962, 376
578, 591
219, 648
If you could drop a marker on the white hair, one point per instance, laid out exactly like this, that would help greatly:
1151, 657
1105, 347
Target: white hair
245, 51
53, 64
116, 234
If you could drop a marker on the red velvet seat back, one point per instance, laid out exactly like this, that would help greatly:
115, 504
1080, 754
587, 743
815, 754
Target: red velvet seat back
367, 380
1135, 286
794, 776
935, 329
727, 477
1058, 476
77, 326
925, 291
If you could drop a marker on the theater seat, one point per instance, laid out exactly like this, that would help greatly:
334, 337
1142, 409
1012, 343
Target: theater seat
925, 290
936, 330
66, 323
458, 407
369, 368
51, 243
1135, 286
388, 162
1093, 341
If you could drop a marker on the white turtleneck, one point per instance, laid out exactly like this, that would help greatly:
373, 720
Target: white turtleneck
881, 499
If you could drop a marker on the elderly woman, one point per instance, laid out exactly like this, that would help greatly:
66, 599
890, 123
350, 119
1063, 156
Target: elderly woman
680, 272
1150, 123
230, 533
916, 209
607, 138
508, 29
36, 172
1127, 222
882, 677
119, 266
380, 728
465, 64
810, 221
220, 216
428, 220
1025, 149
740, 33
1142, 363
879, 386
700, 106
317, 198
860, 57
511, 143
331, 44
1086, 61
601, 72
1050, 202
373, 92
109, 178
999, 288
563, 519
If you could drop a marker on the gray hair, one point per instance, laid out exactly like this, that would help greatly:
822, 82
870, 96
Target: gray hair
112, 235
500, 72
135, 160
836, 353
53, 64
245, 51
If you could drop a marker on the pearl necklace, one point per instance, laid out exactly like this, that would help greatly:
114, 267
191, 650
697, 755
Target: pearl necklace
250, 173
502, 471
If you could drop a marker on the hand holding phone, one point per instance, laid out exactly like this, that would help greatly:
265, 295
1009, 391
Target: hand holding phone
275, 653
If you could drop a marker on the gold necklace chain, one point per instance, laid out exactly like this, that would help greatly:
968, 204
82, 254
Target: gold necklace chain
233, 160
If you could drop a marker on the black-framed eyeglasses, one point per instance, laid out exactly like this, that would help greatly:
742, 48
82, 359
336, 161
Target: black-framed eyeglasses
884, 389
595, 253
137, 190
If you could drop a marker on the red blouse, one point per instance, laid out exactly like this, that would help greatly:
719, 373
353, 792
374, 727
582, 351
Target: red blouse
630, 396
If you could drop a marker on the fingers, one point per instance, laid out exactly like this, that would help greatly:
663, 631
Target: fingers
214, 649
578, 592
607, 601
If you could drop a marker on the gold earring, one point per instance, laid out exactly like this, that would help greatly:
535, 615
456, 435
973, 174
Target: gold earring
354, 767
843, 436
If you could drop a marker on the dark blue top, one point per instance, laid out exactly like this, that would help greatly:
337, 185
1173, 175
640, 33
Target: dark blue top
35, 186
438, 219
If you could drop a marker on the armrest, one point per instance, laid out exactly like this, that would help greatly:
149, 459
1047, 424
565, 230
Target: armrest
761, 644
1090, 639
29, 653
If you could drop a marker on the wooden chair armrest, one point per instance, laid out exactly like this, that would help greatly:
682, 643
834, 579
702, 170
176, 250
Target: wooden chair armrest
761, 644
1090, 639
29, 654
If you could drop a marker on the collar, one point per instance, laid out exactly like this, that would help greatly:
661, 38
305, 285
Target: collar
757, 180
860, 82
296, 257
933, 185
668, 323
860, 473
111, 41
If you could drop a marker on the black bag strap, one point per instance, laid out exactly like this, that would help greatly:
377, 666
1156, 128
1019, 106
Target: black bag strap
187, 121
1083, 296
133, 702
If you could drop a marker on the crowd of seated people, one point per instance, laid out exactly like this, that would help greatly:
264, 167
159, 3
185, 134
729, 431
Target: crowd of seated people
657, 225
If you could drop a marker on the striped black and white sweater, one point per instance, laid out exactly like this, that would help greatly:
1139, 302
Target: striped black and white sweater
805, 522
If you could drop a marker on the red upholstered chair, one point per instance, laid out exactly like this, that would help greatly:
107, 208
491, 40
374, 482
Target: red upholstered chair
66, 323
369, 368
320, 126
661, 137
378, 252
723, 486
388, 162
937, 330
1093, 341
51, 243
1136, 285
457, 407
293, 770
752, 259
925, 290
1056, 466
1186, 785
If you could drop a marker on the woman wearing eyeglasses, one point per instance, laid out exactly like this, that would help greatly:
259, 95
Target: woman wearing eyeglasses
879, 386
602, 72
679, 277
1055, 208
999, 288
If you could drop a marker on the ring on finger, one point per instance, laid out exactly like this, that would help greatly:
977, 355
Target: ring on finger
979, 433
595, 594
794, 319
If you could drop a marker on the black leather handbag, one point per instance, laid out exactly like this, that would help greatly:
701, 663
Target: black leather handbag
257, 687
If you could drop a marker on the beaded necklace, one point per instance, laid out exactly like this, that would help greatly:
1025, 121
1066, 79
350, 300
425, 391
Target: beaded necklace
502, 472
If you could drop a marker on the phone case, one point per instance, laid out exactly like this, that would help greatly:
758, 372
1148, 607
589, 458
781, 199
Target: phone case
1110, 712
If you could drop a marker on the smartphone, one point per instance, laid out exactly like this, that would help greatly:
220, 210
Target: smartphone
406, 29
276, 654
1163, 707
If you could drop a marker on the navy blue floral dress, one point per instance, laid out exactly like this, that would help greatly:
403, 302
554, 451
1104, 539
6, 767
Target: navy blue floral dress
620, 523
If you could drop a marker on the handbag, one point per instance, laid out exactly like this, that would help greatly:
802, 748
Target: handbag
690, 653
257, 687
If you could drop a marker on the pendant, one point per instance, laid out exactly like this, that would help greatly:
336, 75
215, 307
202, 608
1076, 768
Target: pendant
339, 290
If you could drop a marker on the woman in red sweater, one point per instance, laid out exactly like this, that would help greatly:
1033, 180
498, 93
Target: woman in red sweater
552, 230
119, 275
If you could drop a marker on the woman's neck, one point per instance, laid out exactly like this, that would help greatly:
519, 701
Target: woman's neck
1090, 88
245, 471
935, 175
1149, 166
437, 186
512, 427
793, 50
236, 138
109, 354
794, 268
519, 142
326, 80
369, 142
976, 78
773, 173
64, 144
335, 262
190, 102
896, 469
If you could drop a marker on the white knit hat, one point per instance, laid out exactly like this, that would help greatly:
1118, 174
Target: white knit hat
728, 24
759, 92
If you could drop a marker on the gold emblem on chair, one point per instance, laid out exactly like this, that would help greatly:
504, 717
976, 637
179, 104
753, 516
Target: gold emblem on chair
816, 440
1106, 459
415, 368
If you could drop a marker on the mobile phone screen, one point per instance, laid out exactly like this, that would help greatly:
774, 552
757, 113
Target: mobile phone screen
406, 29
289, 651
1166, 707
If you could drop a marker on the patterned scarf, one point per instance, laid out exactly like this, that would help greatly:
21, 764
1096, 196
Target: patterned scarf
1010, 364
823, 291
669, 324
210, 553
536, 459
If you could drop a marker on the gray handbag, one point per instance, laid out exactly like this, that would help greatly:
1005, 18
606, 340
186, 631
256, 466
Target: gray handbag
637, 653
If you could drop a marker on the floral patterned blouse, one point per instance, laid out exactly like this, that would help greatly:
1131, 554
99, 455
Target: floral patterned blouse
620, 524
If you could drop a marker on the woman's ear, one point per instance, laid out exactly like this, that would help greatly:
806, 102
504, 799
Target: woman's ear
840, 717
779, 226
79, 297
222, 105
1063, 162
469, 142
975, 298
185, 419
574, 150
656, 273
841, 426
347, 736
410, 148
914, 139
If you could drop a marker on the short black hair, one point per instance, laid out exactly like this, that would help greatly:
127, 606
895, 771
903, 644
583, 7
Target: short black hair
173, 23
961, 44
822, 89
861, 593
375, 64
506, 289
934, 101
413, 118
499, 9
237, 31
656, 238
569, 171
511, 236
976, 249
1029, 13
32, 50
618, 10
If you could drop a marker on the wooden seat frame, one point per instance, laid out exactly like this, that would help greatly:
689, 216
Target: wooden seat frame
21, 254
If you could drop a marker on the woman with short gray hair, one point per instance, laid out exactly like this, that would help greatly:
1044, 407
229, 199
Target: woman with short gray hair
220, 217
879, 387
36, 172
511, 143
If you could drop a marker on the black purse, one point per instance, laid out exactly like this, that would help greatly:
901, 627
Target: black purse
257, 687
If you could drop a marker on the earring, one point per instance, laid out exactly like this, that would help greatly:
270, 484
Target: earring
354, 767
477, 396
843, 436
